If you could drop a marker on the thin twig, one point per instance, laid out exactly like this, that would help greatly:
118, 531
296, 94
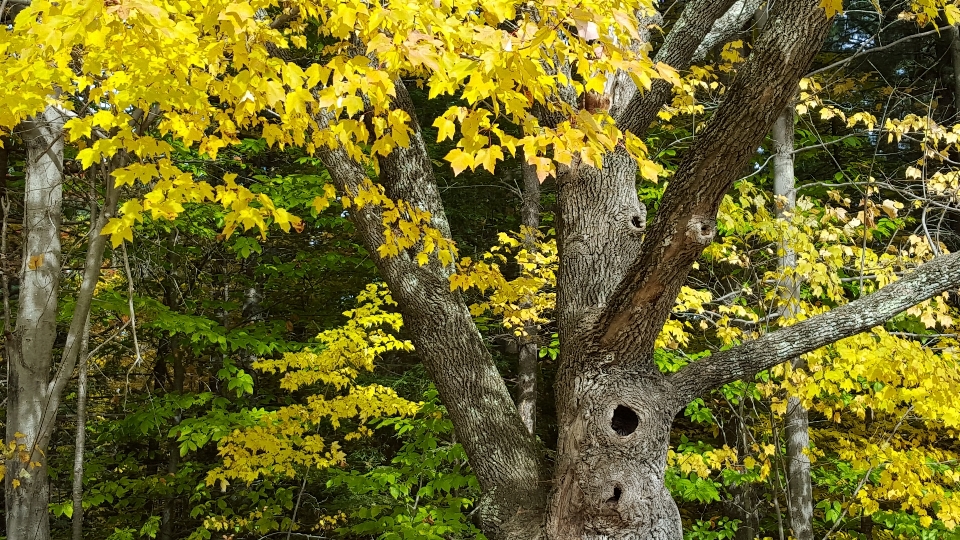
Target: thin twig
864, 52
3, 262
138, 359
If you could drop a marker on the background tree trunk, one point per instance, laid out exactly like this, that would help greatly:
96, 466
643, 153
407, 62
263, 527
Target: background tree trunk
799, 484
80, 444
955, 60
529, 364
745, 500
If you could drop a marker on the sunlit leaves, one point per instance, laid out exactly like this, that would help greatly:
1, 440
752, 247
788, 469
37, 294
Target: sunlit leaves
285, 441
407, 229
527, 299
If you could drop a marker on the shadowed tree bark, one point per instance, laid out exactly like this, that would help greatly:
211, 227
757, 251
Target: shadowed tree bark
528, 365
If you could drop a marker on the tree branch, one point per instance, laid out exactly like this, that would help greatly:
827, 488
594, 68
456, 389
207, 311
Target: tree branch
686, 221
863, 52
688, 33
727, 26
930, 279
444, 334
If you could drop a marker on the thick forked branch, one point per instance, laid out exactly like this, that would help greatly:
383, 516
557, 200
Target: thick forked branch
677, 51
502, 452
728, 26
685, 224
930, 279
601, 218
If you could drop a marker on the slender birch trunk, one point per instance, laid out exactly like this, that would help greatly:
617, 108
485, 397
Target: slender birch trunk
33, 395
799, 485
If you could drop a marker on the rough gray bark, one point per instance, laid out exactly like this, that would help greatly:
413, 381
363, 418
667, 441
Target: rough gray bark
615, 408
799, 483
728, 26
502, 452
35, 392
529, 364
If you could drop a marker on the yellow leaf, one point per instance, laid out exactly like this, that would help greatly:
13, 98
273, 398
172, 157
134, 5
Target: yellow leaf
36, 261
831, 7
320, 203
445, 128
459, 160
119, 230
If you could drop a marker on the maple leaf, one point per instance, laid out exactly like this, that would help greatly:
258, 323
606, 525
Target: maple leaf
832, 7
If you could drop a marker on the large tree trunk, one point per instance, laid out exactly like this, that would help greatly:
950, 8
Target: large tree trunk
799, 483
502, 451
30, 348
617, 288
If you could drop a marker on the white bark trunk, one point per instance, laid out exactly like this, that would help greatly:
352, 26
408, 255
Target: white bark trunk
34, 389
799, 484
30, 348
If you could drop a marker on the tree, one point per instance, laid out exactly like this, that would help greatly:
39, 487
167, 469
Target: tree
616, 287
544, 78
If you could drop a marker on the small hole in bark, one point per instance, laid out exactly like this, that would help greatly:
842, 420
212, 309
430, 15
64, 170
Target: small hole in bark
624, 421
637, 222
616, 496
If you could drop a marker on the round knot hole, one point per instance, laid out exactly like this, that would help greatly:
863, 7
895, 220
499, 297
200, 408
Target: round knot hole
700, 229
624, 421
612, 501
637, 222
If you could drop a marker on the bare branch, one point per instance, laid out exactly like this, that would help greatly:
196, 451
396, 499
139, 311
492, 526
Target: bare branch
864, 52
939, 275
